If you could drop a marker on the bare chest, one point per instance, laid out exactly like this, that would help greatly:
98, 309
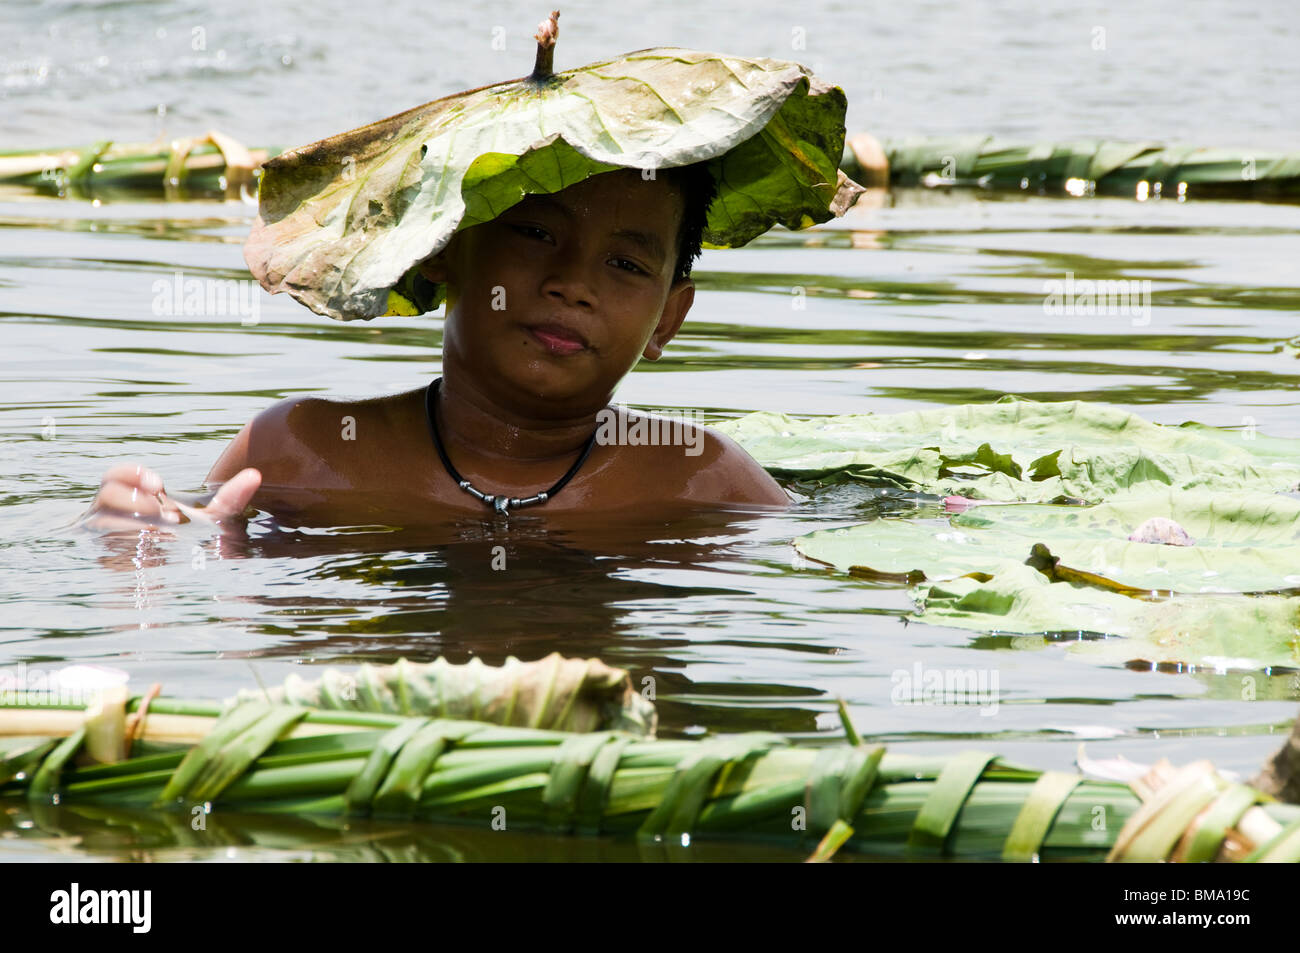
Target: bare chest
373, 468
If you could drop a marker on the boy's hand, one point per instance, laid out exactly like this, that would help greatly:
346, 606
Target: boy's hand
132, 496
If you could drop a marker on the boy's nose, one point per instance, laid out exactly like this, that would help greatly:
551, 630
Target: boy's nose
570, 283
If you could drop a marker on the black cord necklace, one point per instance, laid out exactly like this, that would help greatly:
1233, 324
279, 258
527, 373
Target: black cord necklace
498, 503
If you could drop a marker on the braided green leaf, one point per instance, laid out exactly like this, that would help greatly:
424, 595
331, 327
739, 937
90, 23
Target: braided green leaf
1282, 849
680, 806
1165, 817
399, 793
1031, 825
233, 744
835, 838
20, 755
838, 783
573, 758
1103, 166
595, 788
45, 782
951, 789
753, 785
361, 792
1220, 817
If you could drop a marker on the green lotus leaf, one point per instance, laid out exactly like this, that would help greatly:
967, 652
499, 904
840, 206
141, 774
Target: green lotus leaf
1017, 450
343, 223
1217, 631
553, 692
1243, 542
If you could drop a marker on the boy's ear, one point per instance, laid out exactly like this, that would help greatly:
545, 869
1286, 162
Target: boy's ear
435, 267
680, 298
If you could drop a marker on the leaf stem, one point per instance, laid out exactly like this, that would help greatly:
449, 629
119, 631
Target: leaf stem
547, 33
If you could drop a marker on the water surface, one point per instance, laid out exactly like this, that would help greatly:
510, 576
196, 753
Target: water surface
915, 300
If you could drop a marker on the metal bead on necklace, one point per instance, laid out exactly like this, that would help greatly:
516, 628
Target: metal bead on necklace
500, 504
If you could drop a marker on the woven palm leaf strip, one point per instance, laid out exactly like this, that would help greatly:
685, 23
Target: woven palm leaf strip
216, 164
1101, 166
46, 778
1035, 819
263, 758
1219, 818
1284, 848
213, 165
1193, 814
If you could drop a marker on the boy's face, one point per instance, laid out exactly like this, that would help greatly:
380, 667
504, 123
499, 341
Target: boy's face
558, 297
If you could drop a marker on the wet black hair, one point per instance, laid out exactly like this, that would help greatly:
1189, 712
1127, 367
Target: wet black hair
698, 190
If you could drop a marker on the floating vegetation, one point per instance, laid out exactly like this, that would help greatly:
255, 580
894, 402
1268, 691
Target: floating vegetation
191, 758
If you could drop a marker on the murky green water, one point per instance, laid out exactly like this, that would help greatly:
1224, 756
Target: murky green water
928, 299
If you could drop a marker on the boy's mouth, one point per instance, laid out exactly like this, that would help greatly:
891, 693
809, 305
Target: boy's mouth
558, 339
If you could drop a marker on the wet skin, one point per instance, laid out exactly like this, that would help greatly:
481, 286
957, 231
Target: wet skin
549, 306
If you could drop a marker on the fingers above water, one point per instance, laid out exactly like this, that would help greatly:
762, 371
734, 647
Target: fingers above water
233, 496
132, 496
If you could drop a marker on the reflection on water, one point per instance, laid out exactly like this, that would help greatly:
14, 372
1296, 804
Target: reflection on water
84, 832
633, 593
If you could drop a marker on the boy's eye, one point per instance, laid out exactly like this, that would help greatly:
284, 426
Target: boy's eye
632, 268
524, 229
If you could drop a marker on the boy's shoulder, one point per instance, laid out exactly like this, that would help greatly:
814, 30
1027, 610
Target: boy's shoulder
681, 458
304, 440
314, 442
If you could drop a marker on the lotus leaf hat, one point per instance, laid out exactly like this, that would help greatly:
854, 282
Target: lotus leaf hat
344, 223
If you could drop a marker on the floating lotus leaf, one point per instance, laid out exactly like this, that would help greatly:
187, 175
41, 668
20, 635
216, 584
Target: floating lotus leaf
1216, 631
343, 223
1039, 568
1017, 450
553, 692
1245, 542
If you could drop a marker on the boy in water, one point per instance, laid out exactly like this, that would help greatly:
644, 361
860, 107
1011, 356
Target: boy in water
596, 276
